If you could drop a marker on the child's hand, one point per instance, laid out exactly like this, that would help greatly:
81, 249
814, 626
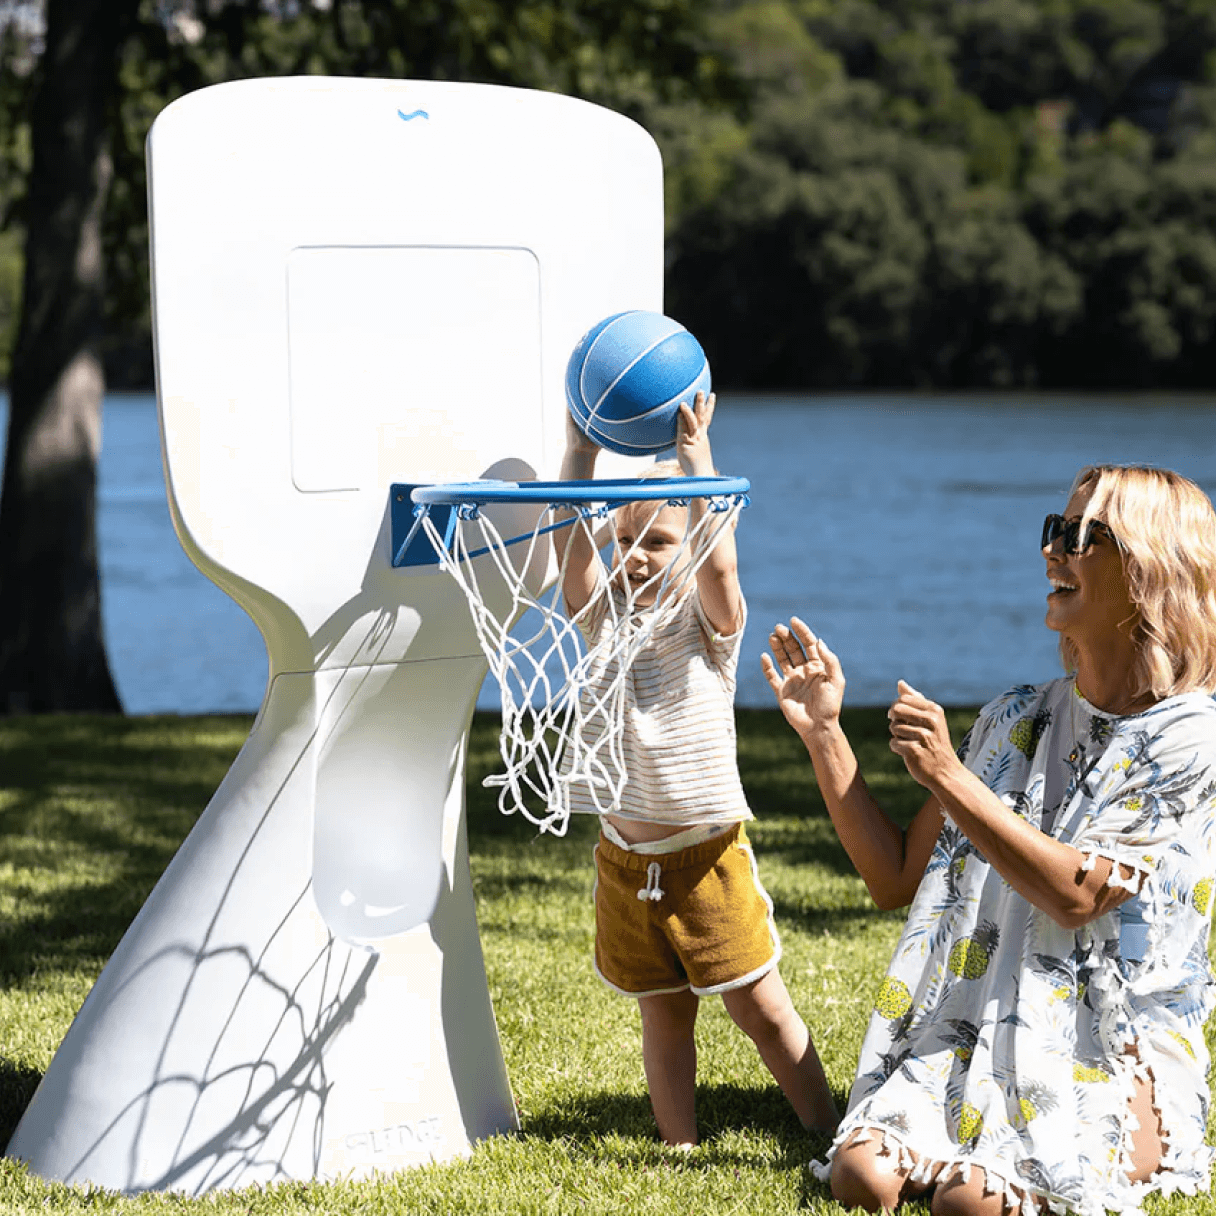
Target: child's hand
805, 675
576, 441
692, 437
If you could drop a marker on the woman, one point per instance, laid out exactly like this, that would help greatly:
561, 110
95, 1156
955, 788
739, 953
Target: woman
1037, 1044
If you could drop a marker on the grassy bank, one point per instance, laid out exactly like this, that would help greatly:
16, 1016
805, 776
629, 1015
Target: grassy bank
93, 809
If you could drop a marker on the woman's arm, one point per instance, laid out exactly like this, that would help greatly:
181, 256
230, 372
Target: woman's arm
809, 683
1046, 872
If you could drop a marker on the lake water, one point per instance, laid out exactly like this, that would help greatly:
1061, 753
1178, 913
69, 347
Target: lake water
904, 529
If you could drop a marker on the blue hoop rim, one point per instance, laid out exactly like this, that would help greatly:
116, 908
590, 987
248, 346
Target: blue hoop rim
607, 489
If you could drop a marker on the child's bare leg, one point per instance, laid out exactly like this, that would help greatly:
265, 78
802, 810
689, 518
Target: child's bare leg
765, 1013
669, 1055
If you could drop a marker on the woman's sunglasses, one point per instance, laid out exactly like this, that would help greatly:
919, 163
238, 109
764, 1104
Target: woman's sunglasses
1070, 529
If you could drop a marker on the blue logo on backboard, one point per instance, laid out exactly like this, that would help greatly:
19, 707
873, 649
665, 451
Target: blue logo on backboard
416, 114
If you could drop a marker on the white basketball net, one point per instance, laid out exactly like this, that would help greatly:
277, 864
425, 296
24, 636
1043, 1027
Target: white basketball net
563, 702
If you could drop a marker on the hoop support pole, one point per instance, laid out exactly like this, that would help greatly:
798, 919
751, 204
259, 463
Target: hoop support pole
410, 546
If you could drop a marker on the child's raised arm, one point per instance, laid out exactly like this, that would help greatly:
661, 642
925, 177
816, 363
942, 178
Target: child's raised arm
579, 565
718, 577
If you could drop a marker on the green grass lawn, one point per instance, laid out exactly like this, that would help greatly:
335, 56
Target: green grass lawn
93, 809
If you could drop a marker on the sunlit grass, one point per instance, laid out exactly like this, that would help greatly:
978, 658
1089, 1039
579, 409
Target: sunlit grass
92, 809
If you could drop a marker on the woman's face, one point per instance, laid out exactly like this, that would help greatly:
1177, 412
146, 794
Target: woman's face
1089, 599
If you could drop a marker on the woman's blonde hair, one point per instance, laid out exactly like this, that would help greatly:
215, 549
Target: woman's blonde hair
1166, 530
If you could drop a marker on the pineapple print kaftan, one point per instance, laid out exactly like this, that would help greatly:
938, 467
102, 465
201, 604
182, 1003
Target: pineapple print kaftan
1000, 1039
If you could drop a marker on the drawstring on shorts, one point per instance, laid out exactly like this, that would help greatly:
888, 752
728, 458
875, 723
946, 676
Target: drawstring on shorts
652, 890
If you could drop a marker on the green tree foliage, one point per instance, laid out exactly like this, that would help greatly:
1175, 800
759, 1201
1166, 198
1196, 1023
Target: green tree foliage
631, 55
1138, 232
885, 192
848, 251
996, 192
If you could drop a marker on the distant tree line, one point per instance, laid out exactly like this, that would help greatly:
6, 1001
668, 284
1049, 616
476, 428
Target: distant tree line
859, 192
629, 55
80, 83
950, 193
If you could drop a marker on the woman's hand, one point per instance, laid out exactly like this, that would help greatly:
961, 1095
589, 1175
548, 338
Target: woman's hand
806, 677
692, 436
920, 737
809, 683
1052, 875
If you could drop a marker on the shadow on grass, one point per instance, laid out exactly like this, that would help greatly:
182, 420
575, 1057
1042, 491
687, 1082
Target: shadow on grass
93, 809
779, 781
496, 886
841, 923
721, 1110
17, 1085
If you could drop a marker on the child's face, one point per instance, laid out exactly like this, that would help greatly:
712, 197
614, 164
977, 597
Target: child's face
651, 543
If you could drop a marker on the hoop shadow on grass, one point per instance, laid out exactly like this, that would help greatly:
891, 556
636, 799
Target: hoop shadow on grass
273, 1096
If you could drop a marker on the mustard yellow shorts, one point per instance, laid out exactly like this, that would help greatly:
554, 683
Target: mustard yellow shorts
694, 919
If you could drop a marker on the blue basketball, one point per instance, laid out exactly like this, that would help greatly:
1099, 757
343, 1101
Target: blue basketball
626, 379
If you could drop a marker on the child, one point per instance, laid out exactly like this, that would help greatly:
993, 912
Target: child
680, 912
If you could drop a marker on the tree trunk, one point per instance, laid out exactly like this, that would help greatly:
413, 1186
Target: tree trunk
52, 652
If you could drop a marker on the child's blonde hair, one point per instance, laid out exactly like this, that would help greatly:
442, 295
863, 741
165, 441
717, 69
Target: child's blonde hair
667, 468
662, 468
1166, 531
652, 472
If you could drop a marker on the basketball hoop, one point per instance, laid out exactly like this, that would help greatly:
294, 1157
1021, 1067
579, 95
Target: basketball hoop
562, 699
